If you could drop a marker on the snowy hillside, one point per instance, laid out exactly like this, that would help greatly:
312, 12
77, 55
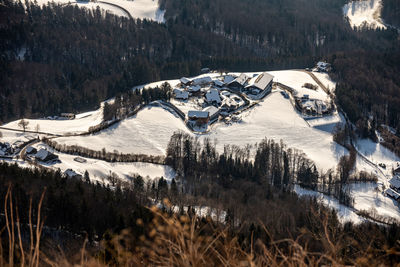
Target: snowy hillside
99, 169
146, 133
365, 12
55, 125
140, 9
274, 117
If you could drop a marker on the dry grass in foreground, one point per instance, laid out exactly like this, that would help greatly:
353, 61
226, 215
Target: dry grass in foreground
170, 240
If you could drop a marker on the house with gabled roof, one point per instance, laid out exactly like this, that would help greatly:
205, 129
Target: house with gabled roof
260, 83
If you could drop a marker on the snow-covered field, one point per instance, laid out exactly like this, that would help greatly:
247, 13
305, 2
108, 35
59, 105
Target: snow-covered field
296, 80
344, 213
148, 132
368, 198
80, 124
365, 12
275, 117
141, 9
99, 169
377, 153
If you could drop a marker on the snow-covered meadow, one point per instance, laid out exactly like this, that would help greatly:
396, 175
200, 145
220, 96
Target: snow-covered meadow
365, 12
80, 124
138, 9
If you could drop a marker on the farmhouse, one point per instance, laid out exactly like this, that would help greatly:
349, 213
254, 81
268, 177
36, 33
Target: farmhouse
202, 81
181, 94
260, 83
212, 97
213, 112
393, 194
323, 66
395, 183
200, 117
239, 82
45, 156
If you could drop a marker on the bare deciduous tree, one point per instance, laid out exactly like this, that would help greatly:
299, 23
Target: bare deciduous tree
23, 124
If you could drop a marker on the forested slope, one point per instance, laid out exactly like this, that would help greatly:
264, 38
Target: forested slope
63, 59
391, 12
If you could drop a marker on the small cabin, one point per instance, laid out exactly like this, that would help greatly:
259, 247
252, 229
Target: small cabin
69, 116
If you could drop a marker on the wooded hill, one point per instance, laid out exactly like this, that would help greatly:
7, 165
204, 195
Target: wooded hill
66, 59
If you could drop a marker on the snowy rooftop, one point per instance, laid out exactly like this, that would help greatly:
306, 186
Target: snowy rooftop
211, 110
395, 182
184, 80
42, 154
202, 80
242, 79
181, 94
261, 81
213, 96
196, 114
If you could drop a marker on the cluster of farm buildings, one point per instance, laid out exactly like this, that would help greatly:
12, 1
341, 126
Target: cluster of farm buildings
221, 96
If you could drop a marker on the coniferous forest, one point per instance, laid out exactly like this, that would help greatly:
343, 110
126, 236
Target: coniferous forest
45, 73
